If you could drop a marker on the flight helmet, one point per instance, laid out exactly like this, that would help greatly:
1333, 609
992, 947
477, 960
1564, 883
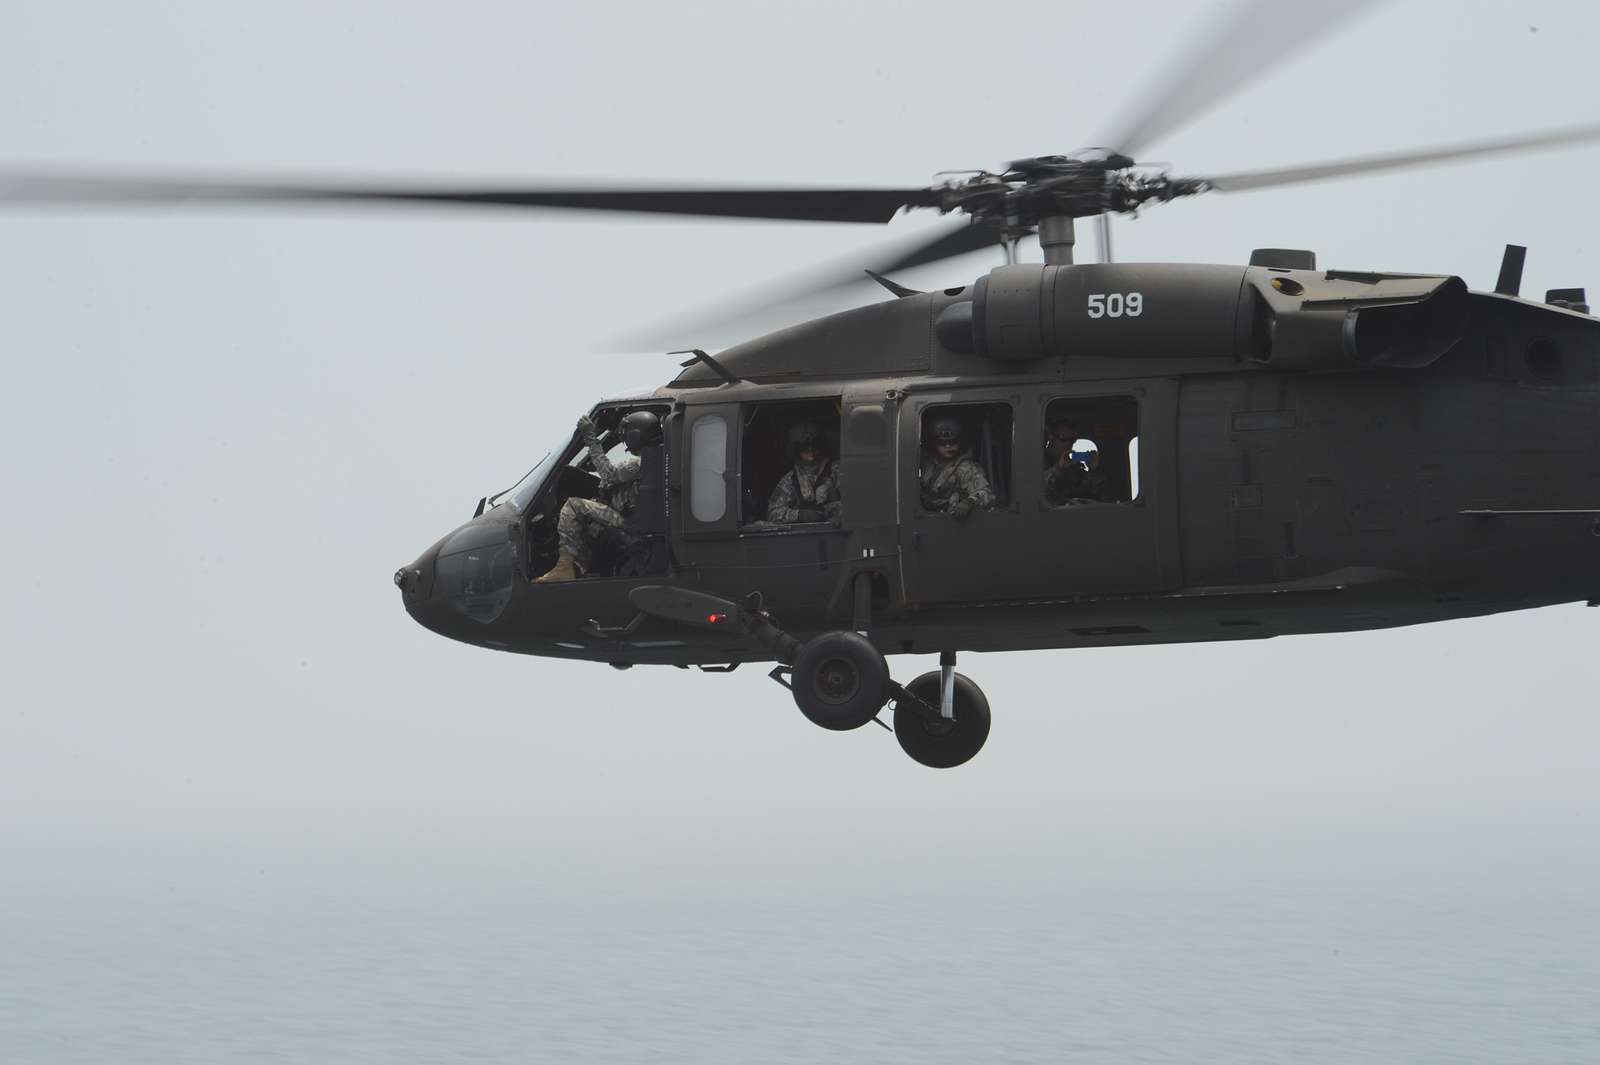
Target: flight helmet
640, 429
805, 436
946, 429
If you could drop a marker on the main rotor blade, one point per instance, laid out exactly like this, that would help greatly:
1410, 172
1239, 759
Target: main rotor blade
1246, 43
972, 236
784, 301
1264, 179
44, 187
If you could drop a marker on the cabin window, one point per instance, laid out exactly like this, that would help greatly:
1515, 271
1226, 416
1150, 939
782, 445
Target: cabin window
1091, 451
965, 461
708, 457
789, 466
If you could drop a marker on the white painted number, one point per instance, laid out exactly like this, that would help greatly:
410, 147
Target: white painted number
1116, 304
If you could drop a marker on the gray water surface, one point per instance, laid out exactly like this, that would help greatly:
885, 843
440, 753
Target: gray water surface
1433, 940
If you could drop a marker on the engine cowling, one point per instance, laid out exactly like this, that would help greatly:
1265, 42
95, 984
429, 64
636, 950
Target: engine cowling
1290, 319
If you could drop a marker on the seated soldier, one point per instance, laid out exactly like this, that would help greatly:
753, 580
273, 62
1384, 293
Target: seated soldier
809, 491
1094, 486
1063, 475
952, 481
583, 521
1076, 476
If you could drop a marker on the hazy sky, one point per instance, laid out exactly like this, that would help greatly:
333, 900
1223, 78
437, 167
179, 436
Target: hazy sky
225, 429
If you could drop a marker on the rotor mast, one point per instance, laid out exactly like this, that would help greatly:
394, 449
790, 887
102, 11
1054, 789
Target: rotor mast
1046, 195
1057, 234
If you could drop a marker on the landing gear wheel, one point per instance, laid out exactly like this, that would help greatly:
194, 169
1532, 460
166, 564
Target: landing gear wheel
840, 681
936, 741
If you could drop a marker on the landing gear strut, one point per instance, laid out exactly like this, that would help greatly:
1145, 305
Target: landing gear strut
942, 719
840, 681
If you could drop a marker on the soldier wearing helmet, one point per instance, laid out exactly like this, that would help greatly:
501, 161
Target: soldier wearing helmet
1064, 475
952, 482
582, 522
1095, 487
809, 491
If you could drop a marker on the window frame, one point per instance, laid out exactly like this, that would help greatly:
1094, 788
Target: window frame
1136, 471
921, 411
746, 415
683, 471
707, 485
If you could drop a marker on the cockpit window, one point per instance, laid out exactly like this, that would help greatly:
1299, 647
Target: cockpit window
616, 451
521, 494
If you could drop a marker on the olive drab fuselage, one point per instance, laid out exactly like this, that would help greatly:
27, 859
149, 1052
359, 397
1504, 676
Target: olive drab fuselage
1315, 452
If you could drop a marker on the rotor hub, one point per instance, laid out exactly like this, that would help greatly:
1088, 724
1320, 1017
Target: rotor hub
1071, 186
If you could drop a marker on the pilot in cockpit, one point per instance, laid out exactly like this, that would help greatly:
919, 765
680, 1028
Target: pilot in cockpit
583, 521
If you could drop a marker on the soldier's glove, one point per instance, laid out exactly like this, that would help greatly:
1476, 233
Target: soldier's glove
961, 509
810, 515
586, 427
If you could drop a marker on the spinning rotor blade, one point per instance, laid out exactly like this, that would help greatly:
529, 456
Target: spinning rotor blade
813, 205
1265, 179
1256, 37
783, 301
971, 236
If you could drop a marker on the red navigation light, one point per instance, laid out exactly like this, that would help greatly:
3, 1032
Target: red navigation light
716, 619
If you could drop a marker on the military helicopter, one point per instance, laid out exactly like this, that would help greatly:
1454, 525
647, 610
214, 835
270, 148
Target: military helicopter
1273, 448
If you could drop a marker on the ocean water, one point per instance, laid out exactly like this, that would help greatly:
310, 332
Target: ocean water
1433, 939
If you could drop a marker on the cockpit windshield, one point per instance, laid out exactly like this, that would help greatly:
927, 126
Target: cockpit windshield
521, 494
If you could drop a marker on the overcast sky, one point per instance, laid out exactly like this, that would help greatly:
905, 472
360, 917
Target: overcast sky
225, 429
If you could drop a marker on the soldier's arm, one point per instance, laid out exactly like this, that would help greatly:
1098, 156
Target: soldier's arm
833, 505
1060, 483
977, 488
597, 455
781, 507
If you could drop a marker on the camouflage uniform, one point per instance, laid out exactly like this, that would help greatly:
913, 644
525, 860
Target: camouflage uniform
807, 486
583, 521
1063, 484
1072, 482
1095, 486
954, 486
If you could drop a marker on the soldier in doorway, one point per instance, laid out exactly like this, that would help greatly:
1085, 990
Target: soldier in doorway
809, 491
952, 481
583, 521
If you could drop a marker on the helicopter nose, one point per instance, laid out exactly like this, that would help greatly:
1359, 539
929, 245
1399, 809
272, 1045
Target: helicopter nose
464, 581
416, 583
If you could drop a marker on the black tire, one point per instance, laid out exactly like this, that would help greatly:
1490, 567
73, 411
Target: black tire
929, 738
840, 681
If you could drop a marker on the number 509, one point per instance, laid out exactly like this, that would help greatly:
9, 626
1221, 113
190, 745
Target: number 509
1116, 304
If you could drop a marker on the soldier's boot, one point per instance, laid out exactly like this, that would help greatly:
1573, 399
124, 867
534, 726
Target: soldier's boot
565, 569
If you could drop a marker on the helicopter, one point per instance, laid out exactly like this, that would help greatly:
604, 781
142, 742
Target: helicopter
1278, 448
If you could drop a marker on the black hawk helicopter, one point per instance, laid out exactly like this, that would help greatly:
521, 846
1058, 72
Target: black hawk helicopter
1169, 452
